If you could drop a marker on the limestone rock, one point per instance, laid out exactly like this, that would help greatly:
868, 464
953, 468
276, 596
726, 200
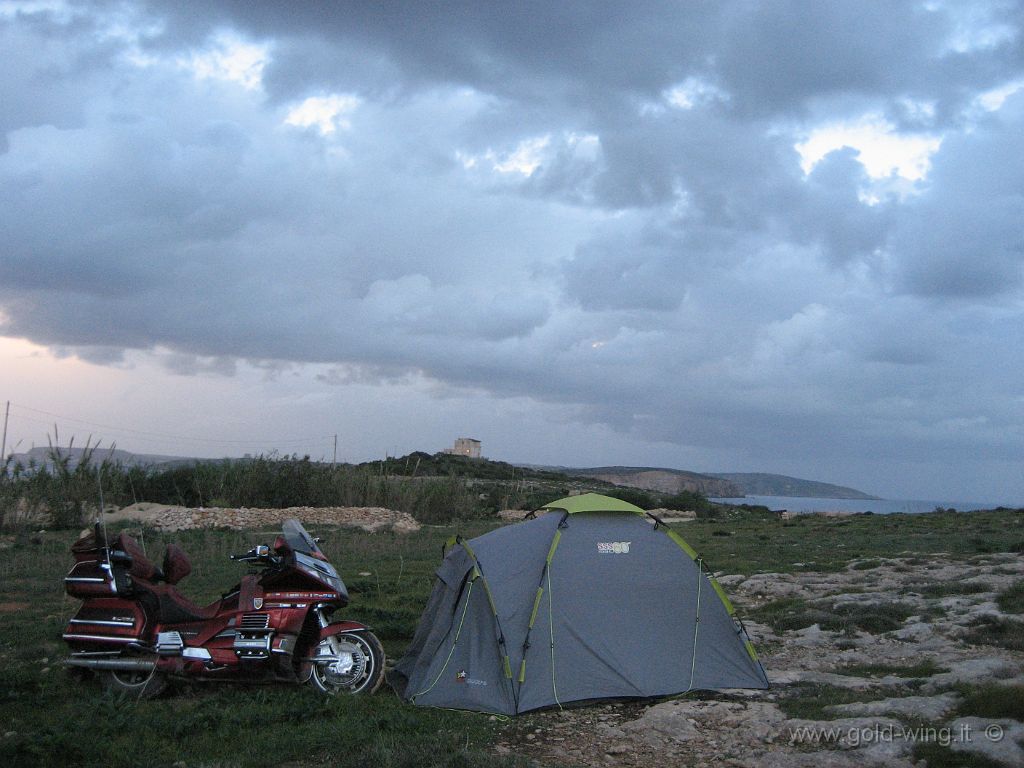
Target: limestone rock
917, 707
998, 740
168, 518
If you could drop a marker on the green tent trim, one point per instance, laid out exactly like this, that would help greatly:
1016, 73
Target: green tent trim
592, 502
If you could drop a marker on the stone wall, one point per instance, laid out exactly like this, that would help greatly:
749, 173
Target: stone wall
168, 518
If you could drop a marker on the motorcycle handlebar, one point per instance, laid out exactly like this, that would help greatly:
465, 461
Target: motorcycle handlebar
258, 552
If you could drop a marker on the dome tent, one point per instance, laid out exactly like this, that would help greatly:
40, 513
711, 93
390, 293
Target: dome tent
594, 600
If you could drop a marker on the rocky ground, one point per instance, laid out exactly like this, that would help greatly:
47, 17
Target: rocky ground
890, 662
171, 518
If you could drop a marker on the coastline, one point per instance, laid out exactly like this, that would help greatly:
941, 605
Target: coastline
810, 505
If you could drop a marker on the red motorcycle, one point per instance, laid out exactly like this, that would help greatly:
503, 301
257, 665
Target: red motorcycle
135, 627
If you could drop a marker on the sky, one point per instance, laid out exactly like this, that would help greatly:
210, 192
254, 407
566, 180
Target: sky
733, 236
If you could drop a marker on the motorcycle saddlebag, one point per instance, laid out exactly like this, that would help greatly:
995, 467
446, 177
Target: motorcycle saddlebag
105, 623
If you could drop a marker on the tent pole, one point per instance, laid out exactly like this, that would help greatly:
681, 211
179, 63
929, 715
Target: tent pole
696, 623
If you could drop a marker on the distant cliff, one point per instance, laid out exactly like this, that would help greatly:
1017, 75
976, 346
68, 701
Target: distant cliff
663, 480
718, 484
41, 456
762, 484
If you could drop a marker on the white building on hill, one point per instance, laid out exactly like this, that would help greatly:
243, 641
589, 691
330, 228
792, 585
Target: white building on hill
465, 446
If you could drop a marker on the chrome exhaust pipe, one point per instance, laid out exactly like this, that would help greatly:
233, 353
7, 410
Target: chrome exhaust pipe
117, 665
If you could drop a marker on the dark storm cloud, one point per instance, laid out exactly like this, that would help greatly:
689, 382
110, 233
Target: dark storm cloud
833, 214
627, 272
964, 236
771, 57
596, 205
524, 48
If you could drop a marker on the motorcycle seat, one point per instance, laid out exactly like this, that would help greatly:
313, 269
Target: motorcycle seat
172, 607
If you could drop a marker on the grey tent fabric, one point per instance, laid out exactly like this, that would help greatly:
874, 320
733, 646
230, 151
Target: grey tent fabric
571, 607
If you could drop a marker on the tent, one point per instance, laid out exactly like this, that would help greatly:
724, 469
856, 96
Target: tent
596, 599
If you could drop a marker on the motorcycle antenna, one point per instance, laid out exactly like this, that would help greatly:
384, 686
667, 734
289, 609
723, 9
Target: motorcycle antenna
103, 524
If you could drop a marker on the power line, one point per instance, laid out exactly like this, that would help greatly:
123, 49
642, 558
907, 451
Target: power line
167, 436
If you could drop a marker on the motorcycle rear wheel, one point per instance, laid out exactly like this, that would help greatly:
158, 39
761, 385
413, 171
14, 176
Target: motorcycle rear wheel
349, 662
135, 685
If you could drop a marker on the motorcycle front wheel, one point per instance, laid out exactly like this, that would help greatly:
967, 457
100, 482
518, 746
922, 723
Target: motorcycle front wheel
349, 662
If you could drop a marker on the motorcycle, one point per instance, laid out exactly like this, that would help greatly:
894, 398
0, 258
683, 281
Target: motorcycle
139, 631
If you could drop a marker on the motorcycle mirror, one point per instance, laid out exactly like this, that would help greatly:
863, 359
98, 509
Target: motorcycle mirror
262, 550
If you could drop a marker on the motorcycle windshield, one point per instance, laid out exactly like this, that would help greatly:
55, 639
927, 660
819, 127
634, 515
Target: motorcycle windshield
298, 538
309, 557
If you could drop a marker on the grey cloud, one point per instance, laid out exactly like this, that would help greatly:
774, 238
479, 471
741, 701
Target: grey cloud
784, 53
771, 58
627, 272
345, 375
101, 355
963, 237
519, 49
46, 89
194, 365
834, 213
681, 281
786, 56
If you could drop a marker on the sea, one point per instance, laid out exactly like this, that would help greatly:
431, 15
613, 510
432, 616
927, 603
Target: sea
877, 506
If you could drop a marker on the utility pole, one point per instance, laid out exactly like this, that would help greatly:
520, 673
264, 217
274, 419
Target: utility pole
334, 461
3, 443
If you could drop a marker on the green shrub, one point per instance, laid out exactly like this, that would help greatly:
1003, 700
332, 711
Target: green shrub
794, 613
639, 498
947, 588
1004, 633
687, 501
866, 565
1012, 600
992, 700
868, 617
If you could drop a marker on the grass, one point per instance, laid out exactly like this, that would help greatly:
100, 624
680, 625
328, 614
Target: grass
1000, 632
809, 702
993, 700
937, 756
950, 588
866, 565
872, 617
1012, 600
829, 544
56, 719
265, 725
